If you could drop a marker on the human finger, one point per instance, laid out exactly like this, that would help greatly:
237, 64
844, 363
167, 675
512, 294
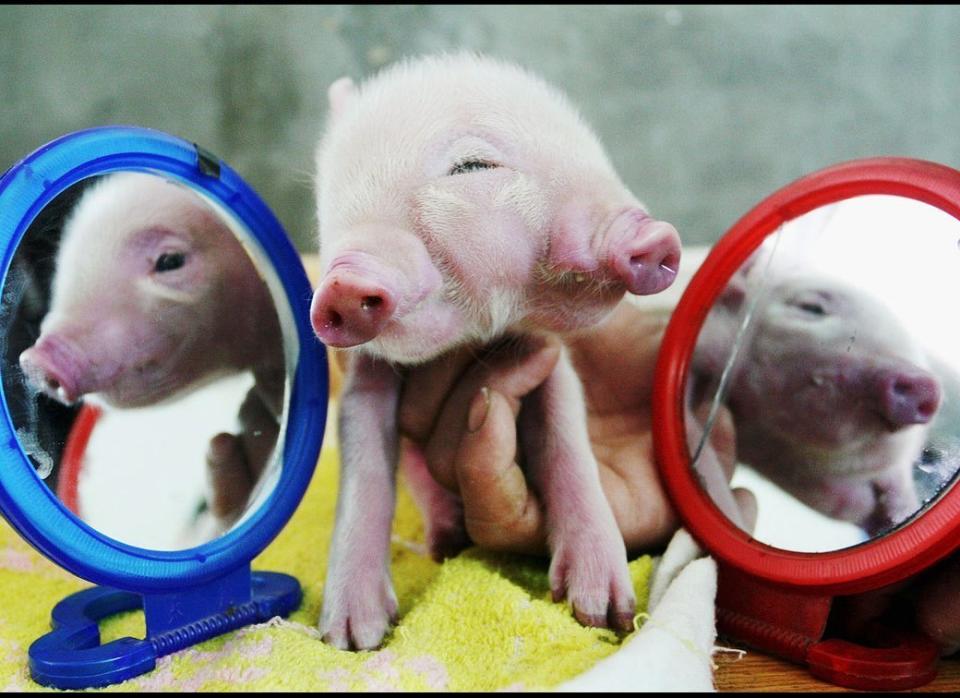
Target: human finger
747, 504
500, 511
425, 389
228, 477
938, 605
512, 375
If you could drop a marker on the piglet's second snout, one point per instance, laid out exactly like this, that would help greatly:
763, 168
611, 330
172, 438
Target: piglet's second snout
642, 252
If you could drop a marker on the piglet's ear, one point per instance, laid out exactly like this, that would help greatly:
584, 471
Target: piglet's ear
341, 94
734, 294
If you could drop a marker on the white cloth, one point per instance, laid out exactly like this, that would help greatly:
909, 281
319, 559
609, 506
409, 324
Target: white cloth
673, 649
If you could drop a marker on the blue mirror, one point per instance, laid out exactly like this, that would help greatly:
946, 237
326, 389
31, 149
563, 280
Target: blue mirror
163, 395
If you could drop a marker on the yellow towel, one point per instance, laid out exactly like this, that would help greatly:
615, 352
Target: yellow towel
478, 622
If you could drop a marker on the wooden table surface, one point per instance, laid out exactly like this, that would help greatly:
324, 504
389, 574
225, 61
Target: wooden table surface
758, 672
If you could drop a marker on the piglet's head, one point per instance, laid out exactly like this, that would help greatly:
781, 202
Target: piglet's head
460, 198
831, 367
152, 295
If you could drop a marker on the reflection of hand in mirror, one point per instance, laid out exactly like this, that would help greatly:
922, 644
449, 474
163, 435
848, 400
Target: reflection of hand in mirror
832, 398
716, 462
927, 602
235, 462
615, 362
153, 296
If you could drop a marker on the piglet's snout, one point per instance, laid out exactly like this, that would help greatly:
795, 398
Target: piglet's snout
907, 396
350, 308
49, 369
642, 252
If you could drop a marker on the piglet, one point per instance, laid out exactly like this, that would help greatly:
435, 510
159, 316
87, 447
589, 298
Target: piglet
152, 296
832, 398
462, 200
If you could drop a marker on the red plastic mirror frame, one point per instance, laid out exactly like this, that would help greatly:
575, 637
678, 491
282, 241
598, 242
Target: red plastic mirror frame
764, 592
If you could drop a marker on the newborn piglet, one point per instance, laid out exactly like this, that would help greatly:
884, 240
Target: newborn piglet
462, 200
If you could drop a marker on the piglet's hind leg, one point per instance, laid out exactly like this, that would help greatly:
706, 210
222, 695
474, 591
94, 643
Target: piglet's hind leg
442, 510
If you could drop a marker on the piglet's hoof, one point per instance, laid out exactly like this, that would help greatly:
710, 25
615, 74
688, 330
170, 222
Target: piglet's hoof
596, 581
357, 614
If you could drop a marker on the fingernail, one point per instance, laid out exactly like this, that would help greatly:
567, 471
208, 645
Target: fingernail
478, 410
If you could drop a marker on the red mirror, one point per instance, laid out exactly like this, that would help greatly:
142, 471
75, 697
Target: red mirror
822, 324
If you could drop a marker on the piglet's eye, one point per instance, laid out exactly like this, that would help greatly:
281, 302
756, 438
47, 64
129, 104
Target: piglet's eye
813, 308
170, 261
810, 307
472, 166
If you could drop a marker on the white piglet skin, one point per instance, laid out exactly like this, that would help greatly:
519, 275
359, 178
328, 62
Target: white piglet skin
461, 200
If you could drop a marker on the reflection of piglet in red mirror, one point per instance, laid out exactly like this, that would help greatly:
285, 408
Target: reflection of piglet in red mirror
462, 200
832, 398
153, 295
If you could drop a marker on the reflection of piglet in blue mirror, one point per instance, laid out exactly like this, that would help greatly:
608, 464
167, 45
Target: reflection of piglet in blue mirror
153, 295
148, 296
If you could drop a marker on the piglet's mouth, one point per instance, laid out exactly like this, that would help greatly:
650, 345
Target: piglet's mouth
579, 283
892, 425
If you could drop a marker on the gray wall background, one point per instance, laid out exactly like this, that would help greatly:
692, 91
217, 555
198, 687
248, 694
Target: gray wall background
704, 109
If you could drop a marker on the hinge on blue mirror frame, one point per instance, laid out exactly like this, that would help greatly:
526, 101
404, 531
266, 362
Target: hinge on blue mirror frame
207, 162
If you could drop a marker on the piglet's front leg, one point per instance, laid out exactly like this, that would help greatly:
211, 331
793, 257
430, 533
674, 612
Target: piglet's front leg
358, 600
588, 556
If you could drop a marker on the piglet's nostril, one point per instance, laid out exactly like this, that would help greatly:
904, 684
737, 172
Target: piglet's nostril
371, 302
667, 264
670, 264
334, 319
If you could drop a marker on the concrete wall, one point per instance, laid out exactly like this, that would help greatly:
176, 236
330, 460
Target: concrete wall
705, 109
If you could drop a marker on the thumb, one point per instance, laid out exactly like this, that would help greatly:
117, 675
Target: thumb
500, 510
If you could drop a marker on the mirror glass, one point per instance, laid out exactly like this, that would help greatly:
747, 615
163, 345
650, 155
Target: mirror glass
835, 352
147, 359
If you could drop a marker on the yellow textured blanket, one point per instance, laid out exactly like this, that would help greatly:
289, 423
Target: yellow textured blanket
477, 622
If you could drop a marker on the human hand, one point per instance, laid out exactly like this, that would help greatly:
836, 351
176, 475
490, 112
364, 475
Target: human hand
927, 602
235, 462
462, 410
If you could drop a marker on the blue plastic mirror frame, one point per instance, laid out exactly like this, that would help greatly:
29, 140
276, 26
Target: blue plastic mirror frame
170, 582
